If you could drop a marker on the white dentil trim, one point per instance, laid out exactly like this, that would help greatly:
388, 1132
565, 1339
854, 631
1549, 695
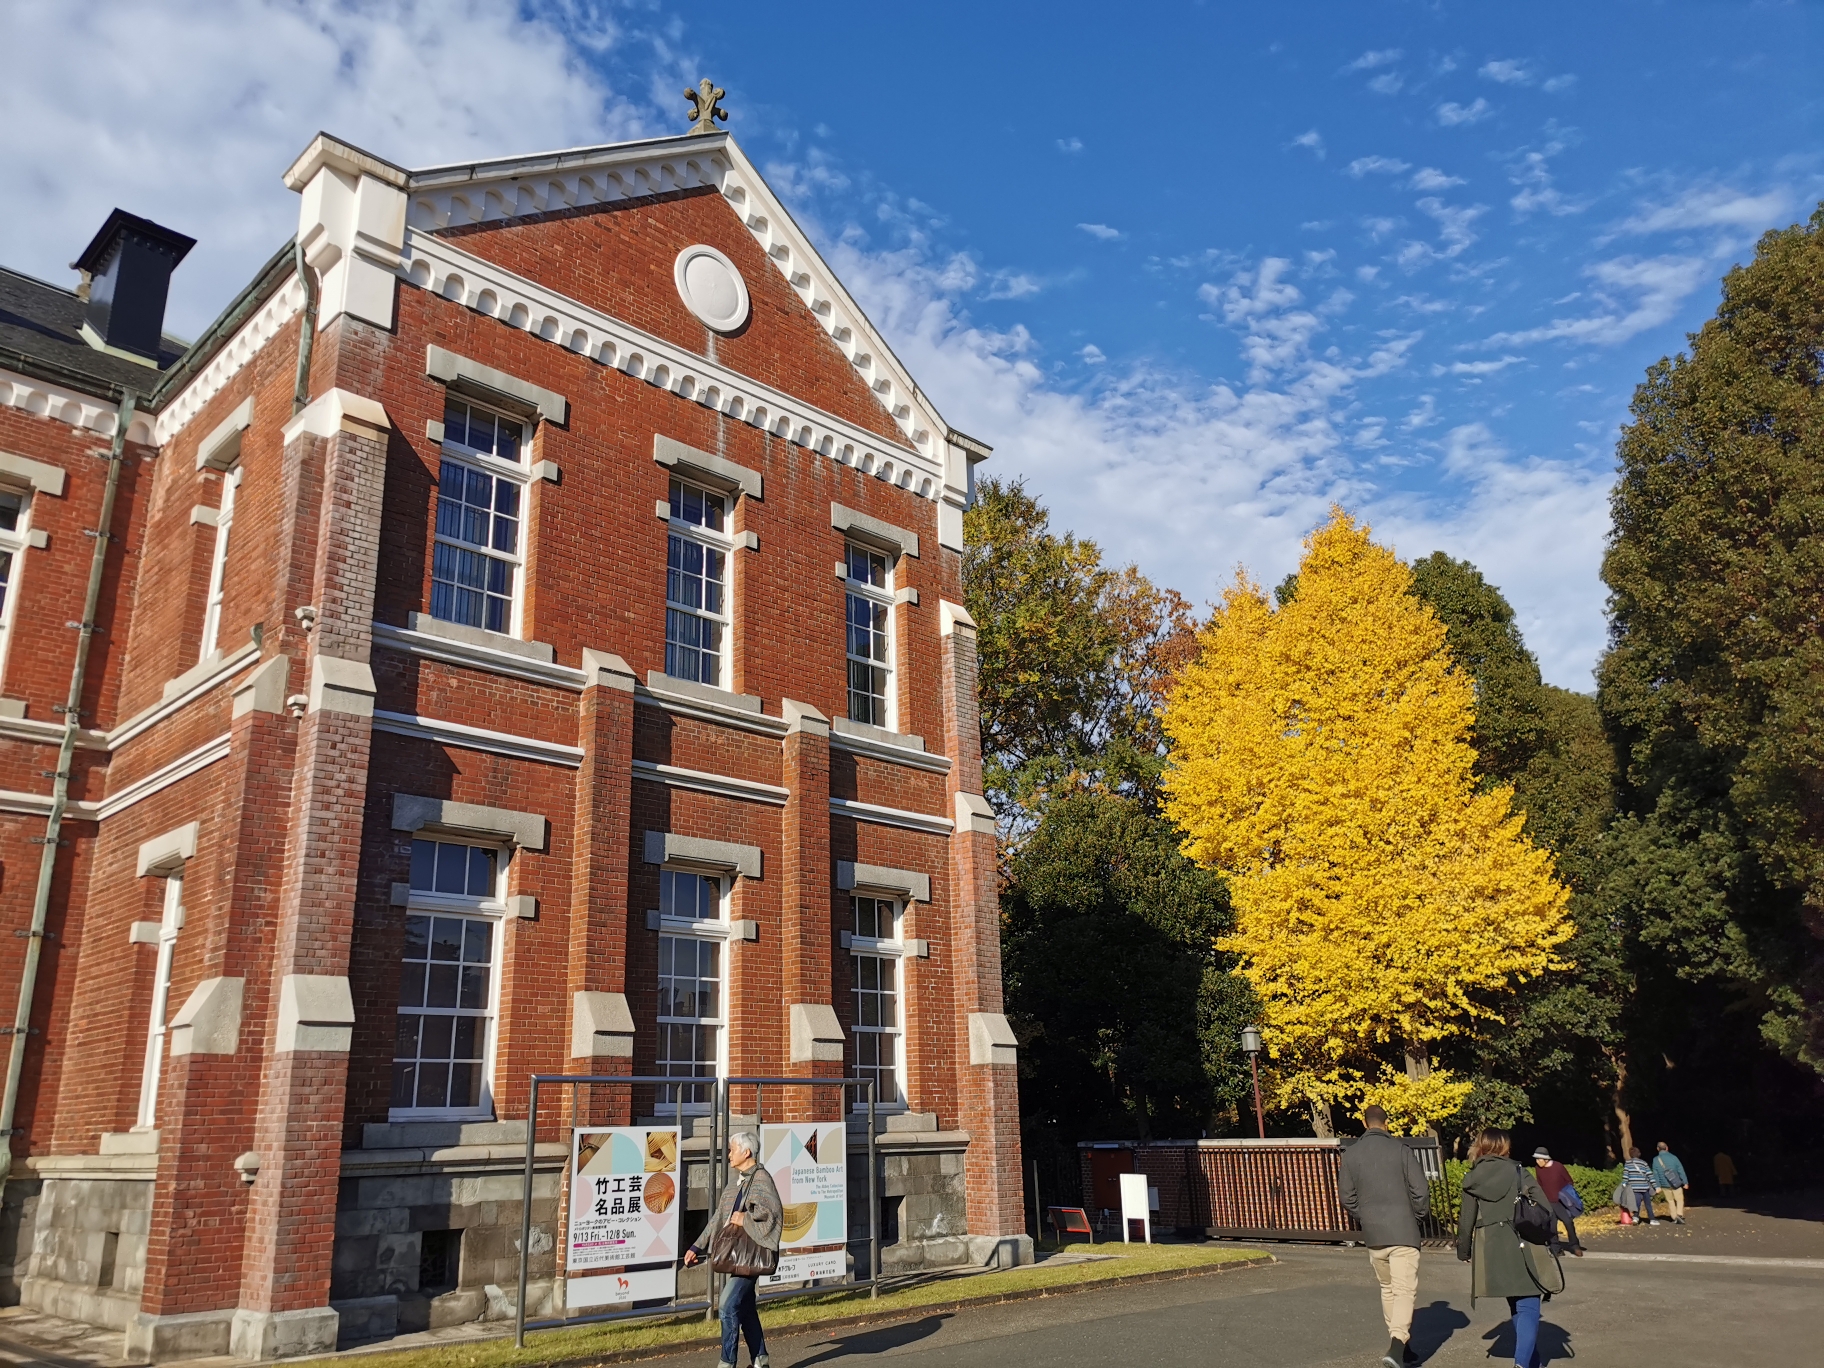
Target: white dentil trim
519, 186
436, 265
254, 334
85, 411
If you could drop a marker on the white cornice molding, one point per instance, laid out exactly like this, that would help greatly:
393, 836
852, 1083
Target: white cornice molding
160, 779
495, 191
78, 410
252, 335
723, 785
437, 265
478, 738
889, 816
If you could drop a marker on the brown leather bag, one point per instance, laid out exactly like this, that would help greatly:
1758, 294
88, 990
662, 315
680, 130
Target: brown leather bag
737, 1253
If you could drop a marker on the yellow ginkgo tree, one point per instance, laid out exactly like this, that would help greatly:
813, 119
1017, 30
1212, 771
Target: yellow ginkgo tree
1383, 901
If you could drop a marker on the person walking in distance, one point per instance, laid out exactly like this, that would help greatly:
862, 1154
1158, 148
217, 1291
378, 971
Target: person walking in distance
1725, 1174
1670, 1175
1555, 1181
1501, 1264
1637, 1174
1382, 1184
749, 1202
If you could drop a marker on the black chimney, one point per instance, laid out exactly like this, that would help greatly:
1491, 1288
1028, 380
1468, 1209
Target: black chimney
129, 265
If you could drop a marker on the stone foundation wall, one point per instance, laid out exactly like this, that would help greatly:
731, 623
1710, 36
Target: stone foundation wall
88, 1248
428, 1233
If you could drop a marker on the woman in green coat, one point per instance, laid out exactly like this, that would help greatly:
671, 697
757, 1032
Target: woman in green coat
1501, 1263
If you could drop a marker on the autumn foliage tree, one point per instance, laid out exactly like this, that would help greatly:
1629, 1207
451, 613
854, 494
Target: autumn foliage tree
1384, 899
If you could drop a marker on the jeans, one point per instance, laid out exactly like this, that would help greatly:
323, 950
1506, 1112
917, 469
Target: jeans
1563, 1213
1525, 1314
741, 1312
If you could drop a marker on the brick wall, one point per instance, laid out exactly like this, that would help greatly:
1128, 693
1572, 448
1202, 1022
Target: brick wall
296, 853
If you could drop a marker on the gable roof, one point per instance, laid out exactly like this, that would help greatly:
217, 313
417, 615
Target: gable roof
512, 187
41, 334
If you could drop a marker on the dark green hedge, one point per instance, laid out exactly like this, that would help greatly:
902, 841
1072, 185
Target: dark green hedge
1595, 1186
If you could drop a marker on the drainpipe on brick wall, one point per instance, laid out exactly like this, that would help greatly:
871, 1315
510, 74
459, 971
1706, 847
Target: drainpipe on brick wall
60, 789
300, 395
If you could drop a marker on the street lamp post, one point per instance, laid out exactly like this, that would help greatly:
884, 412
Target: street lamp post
1250, 1044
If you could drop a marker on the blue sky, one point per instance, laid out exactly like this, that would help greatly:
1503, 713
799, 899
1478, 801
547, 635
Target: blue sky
1196, 271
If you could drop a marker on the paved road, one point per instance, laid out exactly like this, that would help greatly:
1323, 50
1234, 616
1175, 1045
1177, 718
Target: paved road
1319, 1307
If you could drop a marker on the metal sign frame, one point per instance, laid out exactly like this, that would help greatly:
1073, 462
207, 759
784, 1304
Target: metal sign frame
722, 1091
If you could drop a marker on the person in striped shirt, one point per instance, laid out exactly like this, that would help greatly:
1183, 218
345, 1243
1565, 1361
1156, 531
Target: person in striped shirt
1638, 1175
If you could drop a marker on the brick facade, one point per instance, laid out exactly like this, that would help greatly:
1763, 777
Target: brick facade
281, 1198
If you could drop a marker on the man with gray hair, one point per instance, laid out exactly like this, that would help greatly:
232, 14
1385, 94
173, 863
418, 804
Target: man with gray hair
750, 1201
1383, 1185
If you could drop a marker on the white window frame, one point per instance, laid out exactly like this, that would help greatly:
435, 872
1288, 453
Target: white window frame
491, 908
723, 542
719, 930
218, 563
171, 921
518, 473
893, 949
14, 543
882, 597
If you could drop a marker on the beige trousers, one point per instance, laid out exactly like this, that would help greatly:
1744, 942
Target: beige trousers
1675, 1202
1397, 1269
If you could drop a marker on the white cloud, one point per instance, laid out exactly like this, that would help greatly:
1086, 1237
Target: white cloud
1387, 83
1100, 231
1368, 61
1430, 178
189, 117
1390, 166
1533, 174
1710, 206
1451, 114
1477, 367
1558, 83
1013, 285
1070, 144
1455, 233
1092, 355
1507, 71
1311, 139
1632, 295
1535, 528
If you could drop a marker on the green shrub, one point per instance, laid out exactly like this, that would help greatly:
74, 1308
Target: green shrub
1595, 1186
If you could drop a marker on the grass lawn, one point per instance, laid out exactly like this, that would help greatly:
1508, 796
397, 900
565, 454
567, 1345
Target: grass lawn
589, 1342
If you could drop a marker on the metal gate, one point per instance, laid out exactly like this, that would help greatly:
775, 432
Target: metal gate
721, 1096
1255, 1189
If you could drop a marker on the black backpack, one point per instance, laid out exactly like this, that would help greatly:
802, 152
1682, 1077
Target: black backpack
1532, 1222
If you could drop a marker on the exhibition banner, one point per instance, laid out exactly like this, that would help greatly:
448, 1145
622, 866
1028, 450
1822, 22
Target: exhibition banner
809, 1162
626, 1193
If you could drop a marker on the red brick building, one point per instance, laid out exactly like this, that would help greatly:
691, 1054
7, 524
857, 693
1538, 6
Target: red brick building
527, 641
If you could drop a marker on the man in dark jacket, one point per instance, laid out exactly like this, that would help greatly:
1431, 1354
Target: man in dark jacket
1383, 1185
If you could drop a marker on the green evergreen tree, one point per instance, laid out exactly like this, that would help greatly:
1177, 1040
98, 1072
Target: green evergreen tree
1714, 685
1128, 1018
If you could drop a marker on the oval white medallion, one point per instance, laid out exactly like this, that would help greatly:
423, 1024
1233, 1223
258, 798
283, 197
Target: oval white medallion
711, 288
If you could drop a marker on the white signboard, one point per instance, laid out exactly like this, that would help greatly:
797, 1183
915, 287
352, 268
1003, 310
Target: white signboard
614, 1289
626, 1192
1134, 1206
800, 1268
809, 1162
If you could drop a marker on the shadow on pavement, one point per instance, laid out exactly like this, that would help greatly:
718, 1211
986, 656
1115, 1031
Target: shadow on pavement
1554, 1343
878, 1341
1432, 1327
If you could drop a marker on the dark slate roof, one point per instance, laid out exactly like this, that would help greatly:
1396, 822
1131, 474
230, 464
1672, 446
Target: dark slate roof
39, 334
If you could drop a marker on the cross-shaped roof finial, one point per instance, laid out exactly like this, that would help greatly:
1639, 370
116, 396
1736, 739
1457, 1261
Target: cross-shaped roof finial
704, 106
